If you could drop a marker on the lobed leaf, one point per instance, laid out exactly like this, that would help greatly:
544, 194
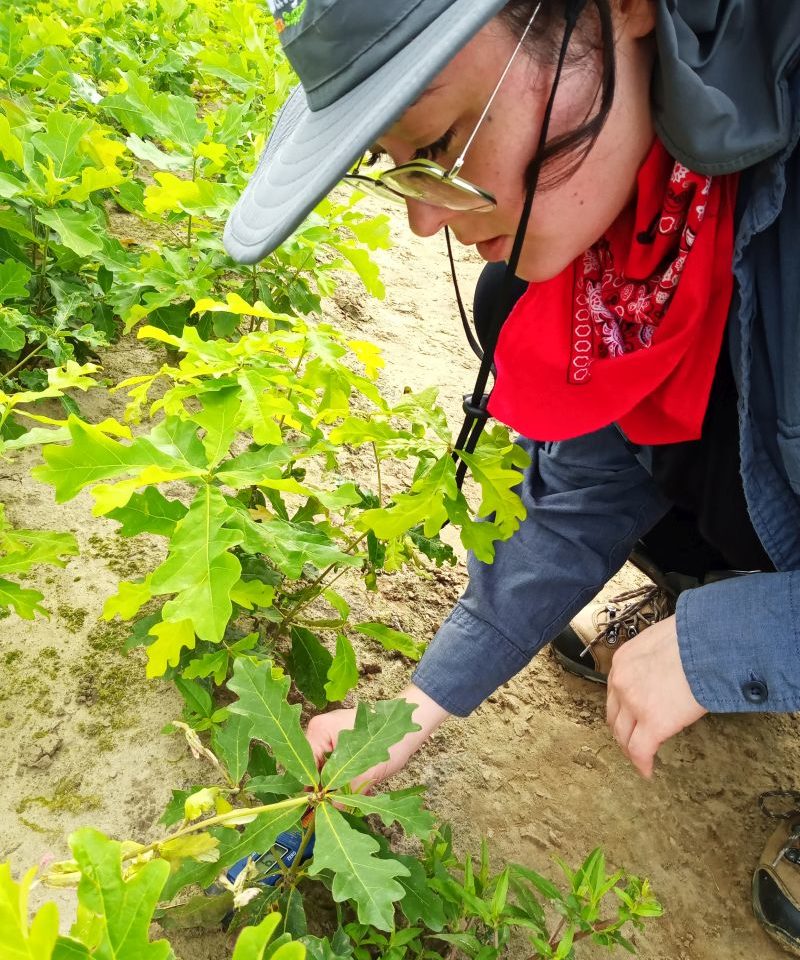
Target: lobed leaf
377, 728
358, 874
114, 912
403, 807
18, 939
262, 699
200, 569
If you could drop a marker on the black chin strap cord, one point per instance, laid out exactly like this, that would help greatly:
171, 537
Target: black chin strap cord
475, 405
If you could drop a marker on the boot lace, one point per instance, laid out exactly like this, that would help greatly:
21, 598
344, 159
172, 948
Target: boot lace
631, 612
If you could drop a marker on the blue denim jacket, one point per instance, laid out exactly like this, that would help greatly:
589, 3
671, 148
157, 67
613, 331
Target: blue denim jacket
590, 499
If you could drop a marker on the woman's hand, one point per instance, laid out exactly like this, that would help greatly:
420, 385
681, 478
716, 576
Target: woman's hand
323, 733
649, 697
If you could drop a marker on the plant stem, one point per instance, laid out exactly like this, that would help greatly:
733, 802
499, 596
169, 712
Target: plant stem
597, 928
316, 583
220, 819
22, 362
581, 934
378, 469
295, 371
41, 274
189, 225
308, 832
254, 296
555, 938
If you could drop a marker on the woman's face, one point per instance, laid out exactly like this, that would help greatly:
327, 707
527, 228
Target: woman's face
566, 218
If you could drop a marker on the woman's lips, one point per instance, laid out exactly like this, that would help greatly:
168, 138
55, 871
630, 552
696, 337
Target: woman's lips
493, 250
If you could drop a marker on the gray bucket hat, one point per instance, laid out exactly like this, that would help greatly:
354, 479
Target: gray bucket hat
361, 64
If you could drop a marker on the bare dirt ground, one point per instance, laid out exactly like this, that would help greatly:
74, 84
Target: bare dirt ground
534, 768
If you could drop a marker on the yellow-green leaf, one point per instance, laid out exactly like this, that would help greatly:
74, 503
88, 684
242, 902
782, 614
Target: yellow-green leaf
171, 638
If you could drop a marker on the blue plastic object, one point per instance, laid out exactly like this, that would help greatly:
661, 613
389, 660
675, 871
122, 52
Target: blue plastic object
287, 846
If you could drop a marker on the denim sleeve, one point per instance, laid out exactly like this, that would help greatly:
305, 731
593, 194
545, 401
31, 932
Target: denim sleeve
588, 501
739, 643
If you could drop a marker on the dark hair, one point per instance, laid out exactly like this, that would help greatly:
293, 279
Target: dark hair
593, 36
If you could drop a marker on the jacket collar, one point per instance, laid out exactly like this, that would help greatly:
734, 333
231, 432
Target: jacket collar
720, 84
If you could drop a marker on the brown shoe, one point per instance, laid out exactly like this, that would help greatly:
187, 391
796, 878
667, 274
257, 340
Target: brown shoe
587, 646
776, 881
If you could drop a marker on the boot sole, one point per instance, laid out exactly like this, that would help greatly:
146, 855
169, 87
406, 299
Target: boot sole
578, 669
775, 933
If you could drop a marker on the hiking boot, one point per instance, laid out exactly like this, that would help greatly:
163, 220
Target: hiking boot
587, 646
776, 881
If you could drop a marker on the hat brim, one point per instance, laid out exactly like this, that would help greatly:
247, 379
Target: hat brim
309, 152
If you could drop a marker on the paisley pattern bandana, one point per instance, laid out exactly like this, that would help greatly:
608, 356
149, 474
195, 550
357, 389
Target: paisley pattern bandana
631, 331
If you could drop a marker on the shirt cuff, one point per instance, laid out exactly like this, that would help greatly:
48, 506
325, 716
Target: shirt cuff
739, 643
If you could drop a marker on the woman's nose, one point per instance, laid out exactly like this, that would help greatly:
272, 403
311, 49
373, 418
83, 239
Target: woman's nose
425, 220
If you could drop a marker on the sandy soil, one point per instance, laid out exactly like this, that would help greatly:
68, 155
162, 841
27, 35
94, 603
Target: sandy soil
534, 768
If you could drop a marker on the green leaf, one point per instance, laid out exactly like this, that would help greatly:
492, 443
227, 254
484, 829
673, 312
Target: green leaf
564, 948
203, 910
178, 439
290, 546
256, 837
467, 942
423, 504
148, 512
358, 874
23, 550
69, 949
14, 277
200, 569
171, 636
195, 696
377, 727
149, 152
61, 142
117, 913
75, 230
262, 699
252, 941
322, 949
9, 186
12, 330
403, 807
231, 743
249, 469
293, 913
420, 902
393, 639
93, 456
545, 887
309, 665
18, 940
218, 419
163, 115
10, 144
209, 664
343, 670
129, 599
498, 481
26, 603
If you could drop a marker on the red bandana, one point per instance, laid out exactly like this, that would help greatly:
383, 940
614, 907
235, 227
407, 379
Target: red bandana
631, 331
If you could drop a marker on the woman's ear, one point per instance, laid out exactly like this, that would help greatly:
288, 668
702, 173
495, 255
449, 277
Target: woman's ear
637, 17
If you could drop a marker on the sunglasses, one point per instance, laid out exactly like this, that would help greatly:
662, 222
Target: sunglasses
429, 182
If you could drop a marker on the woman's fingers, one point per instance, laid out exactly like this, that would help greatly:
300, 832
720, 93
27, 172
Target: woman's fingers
624, 725
612, 704
642, 749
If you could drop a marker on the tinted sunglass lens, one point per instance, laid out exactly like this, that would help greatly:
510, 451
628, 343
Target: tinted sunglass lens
429, 188
374, 187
